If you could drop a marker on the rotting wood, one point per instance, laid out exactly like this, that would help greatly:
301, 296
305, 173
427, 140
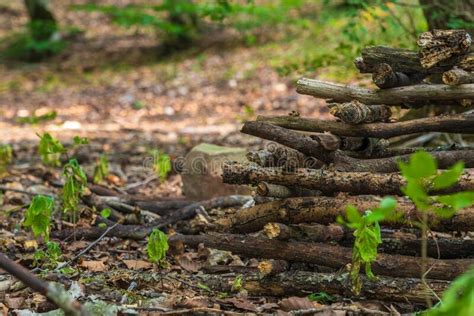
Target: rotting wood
325, 210
438, 45
457, 76
393, 96
458, 123
384, 77
355, 112
323, 254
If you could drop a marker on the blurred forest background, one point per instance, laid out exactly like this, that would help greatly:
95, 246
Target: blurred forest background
172, 65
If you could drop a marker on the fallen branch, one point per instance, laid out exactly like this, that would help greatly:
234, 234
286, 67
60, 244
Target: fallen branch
283, 192
329, 181
334, 256
324, 210
406, 61
304, 232
461, 123
300, 283
52, 291
394, 96
384, 77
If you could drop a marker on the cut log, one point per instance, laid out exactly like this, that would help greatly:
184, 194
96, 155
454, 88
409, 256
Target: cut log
407, 61
394, 96
460, 123
323, 254
272, 267
301, 283
438, 45
283, 192
457, 76
384, 77
304, 232
355, 112
325, 210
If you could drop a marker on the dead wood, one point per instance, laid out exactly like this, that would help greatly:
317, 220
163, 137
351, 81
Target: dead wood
323, 254
384, 77
391, 152
329, 181
393, 96
438, 45
460, 123
324, 210
53, 292
304, 232
457, 76
407, 61
300, 283
281, 156
272, 267
283, 192
355, 112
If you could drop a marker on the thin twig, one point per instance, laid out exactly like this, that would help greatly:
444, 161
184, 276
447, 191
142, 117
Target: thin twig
92, 244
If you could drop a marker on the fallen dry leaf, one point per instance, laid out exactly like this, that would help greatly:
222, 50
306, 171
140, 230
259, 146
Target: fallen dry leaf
14, 302
295, 303
137, 264
188, 264
93, 265
76, 245
30, 244
242, 303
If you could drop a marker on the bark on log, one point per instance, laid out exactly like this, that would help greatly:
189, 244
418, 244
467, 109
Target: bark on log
283, 192
300, 283
304, 232
406, 61
459, 123
272, 267
394, 96
281, 156
300, 142
391, 152
457, 76
384, 77
325, 210
323, 254
438, 45
355, 112
329, 181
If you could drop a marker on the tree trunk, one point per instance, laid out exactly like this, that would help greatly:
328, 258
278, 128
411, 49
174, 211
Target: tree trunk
42, 22
439, 13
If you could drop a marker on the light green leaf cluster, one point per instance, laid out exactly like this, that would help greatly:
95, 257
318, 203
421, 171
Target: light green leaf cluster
78, 140
6, 154
50, 150
367, 237
161, 164
74, 185
422, 177
101, 170
157, 246
38, 216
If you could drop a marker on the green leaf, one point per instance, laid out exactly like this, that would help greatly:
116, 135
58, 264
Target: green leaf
78, 140
204, 287
420, 165
105, 213
157, 246
6, 154
458, 200
74, 185
38, 216
101, 170
237, 284
449, 177
321, 297
161, 164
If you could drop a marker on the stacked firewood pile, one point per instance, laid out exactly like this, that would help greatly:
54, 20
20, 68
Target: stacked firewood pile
318, 167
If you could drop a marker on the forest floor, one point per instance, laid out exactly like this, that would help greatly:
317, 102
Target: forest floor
110, 87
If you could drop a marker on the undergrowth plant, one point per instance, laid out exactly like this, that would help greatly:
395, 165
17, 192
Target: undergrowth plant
367, 237
75, 182
458, 299
161, 164
38, 216
50, 150
157, 246
49, 257
101, 170
36, 119
423, 184
6, 155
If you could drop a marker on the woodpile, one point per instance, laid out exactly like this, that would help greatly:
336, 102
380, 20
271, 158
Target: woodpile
319, 167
